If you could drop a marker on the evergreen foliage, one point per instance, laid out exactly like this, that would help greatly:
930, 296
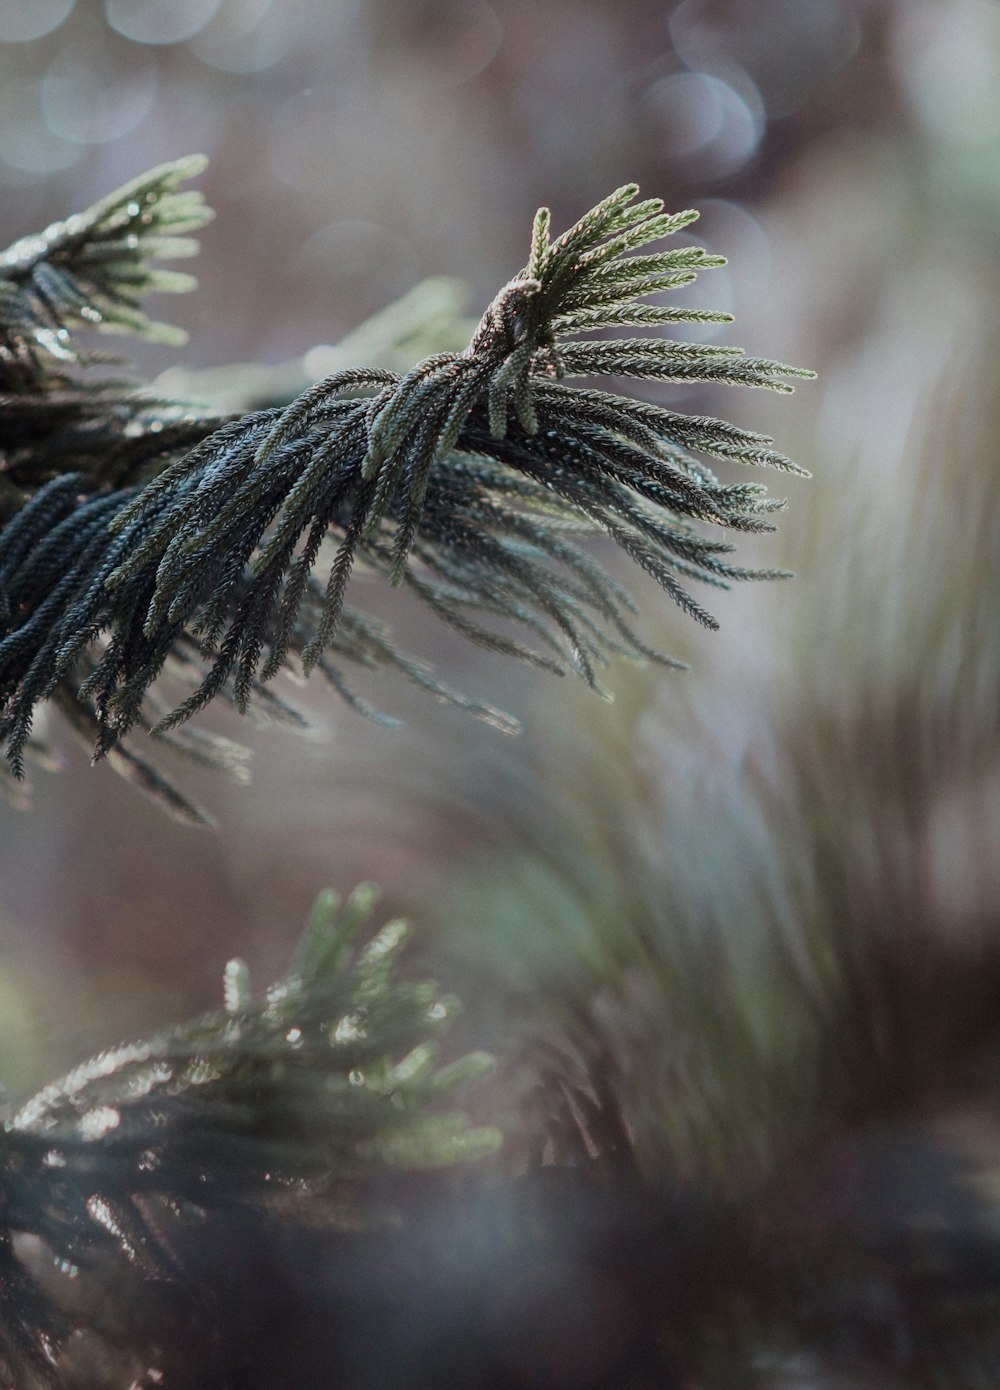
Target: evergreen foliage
696, 1187
89, 272
717, 1168
141, 537
288, 1106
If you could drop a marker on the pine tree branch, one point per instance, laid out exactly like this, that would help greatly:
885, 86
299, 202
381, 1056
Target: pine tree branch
94, 269
286, 1106
464, 480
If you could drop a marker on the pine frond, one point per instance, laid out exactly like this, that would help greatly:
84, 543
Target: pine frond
285, 1106
93, 270
470, 480
90, 272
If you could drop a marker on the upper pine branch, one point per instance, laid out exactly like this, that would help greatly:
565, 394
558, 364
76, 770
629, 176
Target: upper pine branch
94, 269
463, 479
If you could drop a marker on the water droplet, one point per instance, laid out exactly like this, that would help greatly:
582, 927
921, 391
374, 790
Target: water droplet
96, 1123
348, 1029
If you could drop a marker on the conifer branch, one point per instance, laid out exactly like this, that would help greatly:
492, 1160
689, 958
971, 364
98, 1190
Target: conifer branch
468, 480
283, 1106
94, 269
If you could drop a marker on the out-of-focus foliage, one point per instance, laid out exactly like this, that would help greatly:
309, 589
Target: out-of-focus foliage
294, 1106
788, 942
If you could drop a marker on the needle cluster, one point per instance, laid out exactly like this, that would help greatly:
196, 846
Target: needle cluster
223, 549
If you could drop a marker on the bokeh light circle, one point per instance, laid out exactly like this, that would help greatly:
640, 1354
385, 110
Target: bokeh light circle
27, 145
248, 36
702, 118
22, 21
89, 99
359, 254
160, 21
787, 47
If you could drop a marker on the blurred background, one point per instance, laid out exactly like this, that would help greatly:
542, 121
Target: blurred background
833, 750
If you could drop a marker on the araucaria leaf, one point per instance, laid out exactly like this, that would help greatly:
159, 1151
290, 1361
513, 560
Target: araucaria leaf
469, 480
288, 1110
